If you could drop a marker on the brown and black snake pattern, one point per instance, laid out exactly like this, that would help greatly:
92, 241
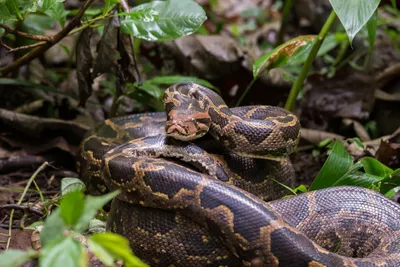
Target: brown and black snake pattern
180, 201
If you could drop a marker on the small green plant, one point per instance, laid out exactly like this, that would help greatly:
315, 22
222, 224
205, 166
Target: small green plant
67, 223
340, 169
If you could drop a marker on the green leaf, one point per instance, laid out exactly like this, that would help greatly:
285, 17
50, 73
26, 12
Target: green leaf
71, 207
354, 14
374, 167
53, 228
174, 79
13, 8
152, 90
55, 9
338, 163
4, 13
16, 258
164, 20
71, 184
371, 27
392, 192
108, 5
394, 4
357, 178
91, 206
65, 252
284, 54
110, 247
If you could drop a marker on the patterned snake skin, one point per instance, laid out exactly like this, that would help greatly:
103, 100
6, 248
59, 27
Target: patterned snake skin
202, 201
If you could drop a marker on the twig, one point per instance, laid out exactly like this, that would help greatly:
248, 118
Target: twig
12, 50
21, 207
28, 184
27, 35
54, 39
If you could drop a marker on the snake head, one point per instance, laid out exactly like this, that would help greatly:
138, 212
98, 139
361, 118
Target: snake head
187, 126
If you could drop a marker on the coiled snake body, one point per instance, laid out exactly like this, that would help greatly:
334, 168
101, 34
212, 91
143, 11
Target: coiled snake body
180, 201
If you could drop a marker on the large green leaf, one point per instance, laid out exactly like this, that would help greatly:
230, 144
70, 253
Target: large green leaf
4, 13
337, 165
164, 20
92, 205
53, 228
173, 79
110, 247
374, 167
14, 258
71, 207
55, 9
65, 252
354, 14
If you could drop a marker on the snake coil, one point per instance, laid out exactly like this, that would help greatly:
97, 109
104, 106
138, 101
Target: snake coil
180, 201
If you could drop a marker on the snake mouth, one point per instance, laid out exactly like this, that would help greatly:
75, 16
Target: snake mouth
185, 130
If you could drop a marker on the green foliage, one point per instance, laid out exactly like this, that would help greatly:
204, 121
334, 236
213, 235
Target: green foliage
55, 9
69, 185
340, 169
59, 246
164, 20
13, 257
110, 247
354, 14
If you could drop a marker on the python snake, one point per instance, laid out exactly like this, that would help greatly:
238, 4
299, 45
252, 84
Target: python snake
191, 201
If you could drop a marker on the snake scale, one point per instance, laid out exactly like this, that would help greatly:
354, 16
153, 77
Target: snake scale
197, 182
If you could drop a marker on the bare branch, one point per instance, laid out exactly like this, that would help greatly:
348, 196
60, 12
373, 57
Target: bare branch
27, 35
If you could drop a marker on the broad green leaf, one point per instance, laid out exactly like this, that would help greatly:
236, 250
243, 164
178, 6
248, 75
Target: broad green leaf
36, 23
53, 228
354, 14
71, 184
338, 163
164, 20
65, 252
13, 8
392, 192
374, 167
71, 207
16, 258
92, 205
110, 247
371, 27
357, 178
152, 90
55, 9
283, 54
173, 79
4, 13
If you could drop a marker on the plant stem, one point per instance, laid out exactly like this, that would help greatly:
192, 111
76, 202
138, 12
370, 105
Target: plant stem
298, 84
285, 18
28, 184
245, 92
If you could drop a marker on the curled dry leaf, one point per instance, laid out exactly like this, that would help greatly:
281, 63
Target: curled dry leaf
106, 60
84, 61
284, 54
